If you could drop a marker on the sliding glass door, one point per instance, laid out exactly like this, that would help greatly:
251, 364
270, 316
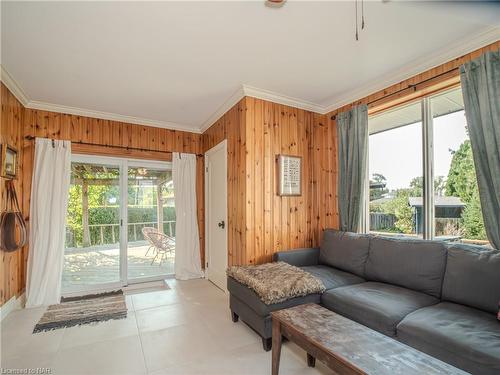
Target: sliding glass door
151, 222
120, 223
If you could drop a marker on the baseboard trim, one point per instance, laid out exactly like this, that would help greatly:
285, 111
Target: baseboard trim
15, 303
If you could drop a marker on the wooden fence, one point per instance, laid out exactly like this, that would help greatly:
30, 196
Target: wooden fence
380, 220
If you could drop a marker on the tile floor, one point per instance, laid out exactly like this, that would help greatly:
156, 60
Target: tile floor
184, 330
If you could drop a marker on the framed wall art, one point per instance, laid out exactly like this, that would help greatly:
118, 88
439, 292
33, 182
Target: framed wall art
8, 168
289, 175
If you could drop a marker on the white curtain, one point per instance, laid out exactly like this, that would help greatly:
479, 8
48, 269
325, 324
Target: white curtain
49, 201
187, 241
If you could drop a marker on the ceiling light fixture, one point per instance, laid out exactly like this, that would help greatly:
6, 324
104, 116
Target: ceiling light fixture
275, 3
280, 3
362, 16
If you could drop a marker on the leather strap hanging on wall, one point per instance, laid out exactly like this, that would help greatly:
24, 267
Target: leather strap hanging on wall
9, 220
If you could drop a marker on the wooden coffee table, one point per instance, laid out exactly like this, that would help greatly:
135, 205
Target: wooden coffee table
348, 347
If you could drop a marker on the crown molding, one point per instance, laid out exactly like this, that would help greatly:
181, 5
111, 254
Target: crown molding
34, 104
274, 97
13, 87
258, 93
483, 38
226, 106
480, 39
19, 93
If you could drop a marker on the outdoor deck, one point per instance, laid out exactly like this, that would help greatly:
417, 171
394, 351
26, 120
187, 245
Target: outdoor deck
100, 264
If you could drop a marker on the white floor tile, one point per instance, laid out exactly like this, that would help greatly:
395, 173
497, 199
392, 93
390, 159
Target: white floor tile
177, 345
120, 356
155, 299
130, 303
24, 343
31, 360
183, 330
102, 331
158, 318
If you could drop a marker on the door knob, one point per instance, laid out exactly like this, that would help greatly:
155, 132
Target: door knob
222, 224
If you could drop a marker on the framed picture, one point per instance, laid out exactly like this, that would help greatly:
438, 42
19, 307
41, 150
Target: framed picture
9, 162
290, 175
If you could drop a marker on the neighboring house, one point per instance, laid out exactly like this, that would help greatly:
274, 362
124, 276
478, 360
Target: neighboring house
448, 210
445, 208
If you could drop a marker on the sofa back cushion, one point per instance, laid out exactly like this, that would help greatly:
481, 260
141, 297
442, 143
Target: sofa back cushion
411, 263
472, 277
345, 250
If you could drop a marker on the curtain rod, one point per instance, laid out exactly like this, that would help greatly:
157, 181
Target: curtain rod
406, 88
31, 138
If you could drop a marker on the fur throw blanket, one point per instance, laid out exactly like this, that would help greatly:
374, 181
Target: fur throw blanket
277, 282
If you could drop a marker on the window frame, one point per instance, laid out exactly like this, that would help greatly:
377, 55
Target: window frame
428, 195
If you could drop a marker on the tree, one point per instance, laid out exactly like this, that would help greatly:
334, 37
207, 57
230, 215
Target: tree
461, 181
400, 207
472, 219
417, 186
439, 185
378, 188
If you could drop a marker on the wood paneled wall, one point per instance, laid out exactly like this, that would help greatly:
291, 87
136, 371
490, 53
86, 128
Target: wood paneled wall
284, 222
259, 221
19, 122
11, 132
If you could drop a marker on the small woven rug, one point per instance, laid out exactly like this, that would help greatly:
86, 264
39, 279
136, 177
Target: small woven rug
83, 310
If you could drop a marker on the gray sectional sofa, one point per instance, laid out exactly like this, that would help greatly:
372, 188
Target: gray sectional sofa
439, 298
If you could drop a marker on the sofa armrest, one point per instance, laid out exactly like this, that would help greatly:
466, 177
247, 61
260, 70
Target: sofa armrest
298, 257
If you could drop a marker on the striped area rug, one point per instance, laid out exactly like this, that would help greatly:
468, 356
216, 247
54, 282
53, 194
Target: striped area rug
83, 310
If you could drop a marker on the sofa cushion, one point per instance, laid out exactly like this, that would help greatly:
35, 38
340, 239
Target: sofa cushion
472, 277
344, 250
250, 298
376, 305
462, 336
412, 263
332, 277
298, 257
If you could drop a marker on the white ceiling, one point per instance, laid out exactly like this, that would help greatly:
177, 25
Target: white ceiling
180, 64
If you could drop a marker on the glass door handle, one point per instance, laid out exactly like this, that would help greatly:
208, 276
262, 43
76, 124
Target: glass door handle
222, 224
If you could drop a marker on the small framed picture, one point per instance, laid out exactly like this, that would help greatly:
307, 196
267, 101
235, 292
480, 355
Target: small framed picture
290, 175
9, 162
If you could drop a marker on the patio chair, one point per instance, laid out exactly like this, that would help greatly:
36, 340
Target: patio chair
162, 244
145, 233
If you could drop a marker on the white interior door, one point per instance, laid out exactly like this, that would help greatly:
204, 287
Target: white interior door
216, 214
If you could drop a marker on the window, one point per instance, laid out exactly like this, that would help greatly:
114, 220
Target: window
457, 209
418, 148
395, 168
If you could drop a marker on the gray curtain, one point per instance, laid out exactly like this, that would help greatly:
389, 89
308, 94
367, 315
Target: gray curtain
480, 80
352, 135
